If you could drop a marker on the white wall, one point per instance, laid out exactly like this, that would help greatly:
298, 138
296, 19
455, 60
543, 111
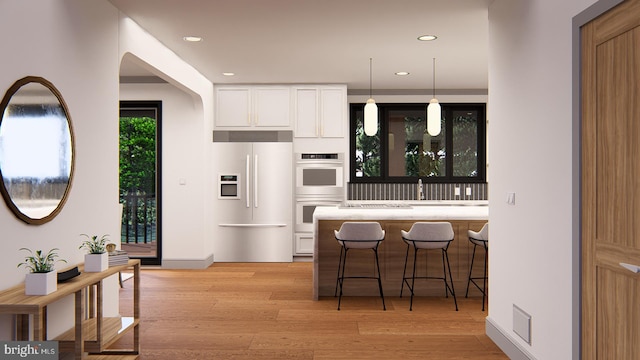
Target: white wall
182, 159
65, 42
78, 46
530, 117
197, 242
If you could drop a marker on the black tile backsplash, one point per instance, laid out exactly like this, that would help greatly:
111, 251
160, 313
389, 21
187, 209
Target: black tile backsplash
386, 191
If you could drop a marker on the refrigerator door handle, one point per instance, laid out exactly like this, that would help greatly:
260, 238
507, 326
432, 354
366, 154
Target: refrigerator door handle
255, 181
246, 176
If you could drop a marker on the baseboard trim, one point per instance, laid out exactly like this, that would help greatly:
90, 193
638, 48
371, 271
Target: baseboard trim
187, 263
302, 258
506, 342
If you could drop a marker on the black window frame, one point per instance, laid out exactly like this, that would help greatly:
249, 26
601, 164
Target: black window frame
447, 110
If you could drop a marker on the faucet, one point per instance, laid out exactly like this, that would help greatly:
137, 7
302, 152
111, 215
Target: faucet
420, 191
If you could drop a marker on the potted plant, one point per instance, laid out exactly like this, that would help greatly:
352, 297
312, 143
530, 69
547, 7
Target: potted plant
97, 258
42, 277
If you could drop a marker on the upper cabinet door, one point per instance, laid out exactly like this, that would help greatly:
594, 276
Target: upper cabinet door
272, 107
252, 106
307, 112
233, 107
333, 112
321, 111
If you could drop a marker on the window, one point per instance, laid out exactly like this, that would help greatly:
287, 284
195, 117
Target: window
403, 151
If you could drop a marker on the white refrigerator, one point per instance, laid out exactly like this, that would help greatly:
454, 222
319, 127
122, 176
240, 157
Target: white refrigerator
254, 202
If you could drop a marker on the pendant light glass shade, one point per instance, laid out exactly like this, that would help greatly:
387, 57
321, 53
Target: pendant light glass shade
434, 112
370, 111
371, 118
434, 116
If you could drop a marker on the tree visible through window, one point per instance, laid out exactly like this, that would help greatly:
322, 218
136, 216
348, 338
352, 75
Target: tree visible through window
367, 152
403, 151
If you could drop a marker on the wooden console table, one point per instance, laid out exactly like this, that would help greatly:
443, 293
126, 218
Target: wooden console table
92, 333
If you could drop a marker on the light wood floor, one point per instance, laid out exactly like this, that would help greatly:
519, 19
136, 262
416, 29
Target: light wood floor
264, 311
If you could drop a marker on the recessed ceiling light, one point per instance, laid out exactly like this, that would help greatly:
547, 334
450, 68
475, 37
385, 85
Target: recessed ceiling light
192, 38
402, 73
228, 73
427, 37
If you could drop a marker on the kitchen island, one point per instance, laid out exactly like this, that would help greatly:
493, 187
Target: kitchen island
393, 217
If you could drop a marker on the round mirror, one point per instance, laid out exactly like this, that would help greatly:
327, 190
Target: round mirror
36, 150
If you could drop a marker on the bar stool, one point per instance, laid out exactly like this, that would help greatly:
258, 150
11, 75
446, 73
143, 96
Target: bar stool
428, 236
357, 236
480, 238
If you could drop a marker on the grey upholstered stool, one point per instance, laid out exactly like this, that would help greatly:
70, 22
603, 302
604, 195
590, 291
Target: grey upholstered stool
480, 238
357, 236
428, 236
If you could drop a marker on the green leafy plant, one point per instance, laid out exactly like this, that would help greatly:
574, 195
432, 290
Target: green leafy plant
38, 262
94, 245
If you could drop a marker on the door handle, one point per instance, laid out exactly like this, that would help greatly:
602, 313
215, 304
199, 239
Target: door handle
255, 181
246, 173
633, 268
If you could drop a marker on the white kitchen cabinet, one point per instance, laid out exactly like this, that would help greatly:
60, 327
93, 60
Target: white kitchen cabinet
303, 244
320, 111
253, 106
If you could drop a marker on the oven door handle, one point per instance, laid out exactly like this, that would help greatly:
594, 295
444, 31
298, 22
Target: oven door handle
320, 164
333, 201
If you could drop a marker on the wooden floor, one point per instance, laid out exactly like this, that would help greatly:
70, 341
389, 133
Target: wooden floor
264, 311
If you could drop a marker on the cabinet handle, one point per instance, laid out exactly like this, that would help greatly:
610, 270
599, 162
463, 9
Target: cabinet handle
249, 119
633, 268
321, 130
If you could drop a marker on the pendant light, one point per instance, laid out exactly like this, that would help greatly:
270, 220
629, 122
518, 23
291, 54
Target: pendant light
434, 112
370, 110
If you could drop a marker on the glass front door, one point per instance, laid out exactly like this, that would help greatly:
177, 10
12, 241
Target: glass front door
139, 180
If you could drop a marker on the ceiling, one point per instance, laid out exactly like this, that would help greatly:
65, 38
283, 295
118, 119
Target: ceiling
323, 41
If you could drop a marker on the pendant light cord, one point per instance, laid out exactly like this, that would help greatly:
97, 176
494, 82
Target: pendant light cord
434, 78
370, 79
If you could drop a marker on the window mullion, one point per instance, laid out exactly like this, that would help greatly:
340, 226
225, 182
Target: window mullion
448, 124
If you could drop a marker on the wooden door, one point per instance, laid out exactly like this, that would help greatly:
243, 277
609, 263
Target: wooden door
611, 184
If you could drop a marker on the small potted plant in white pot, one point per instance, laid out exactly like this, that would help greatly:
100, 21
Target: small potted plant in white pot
42, 278
97, 258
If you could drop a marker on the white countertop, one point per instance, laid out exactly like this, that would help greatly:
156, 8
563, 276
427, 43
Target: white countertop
404, 210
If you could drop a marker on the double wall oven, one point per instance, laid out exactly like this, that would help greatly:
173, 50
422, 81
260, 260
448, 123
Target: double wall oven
320, 175
319, 182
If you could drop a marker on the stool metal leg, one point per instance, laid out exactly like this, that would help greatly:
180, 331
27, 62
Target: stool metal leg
404, 279
413, 277
453, 292
444, 275
384, 307
473, 256
341, 270
341, 279
446, 269
472, 280
338, 275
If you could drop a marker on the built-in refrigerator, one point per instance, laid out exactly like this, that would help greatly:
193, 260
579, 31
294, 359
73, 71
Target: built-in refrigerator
254, 214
